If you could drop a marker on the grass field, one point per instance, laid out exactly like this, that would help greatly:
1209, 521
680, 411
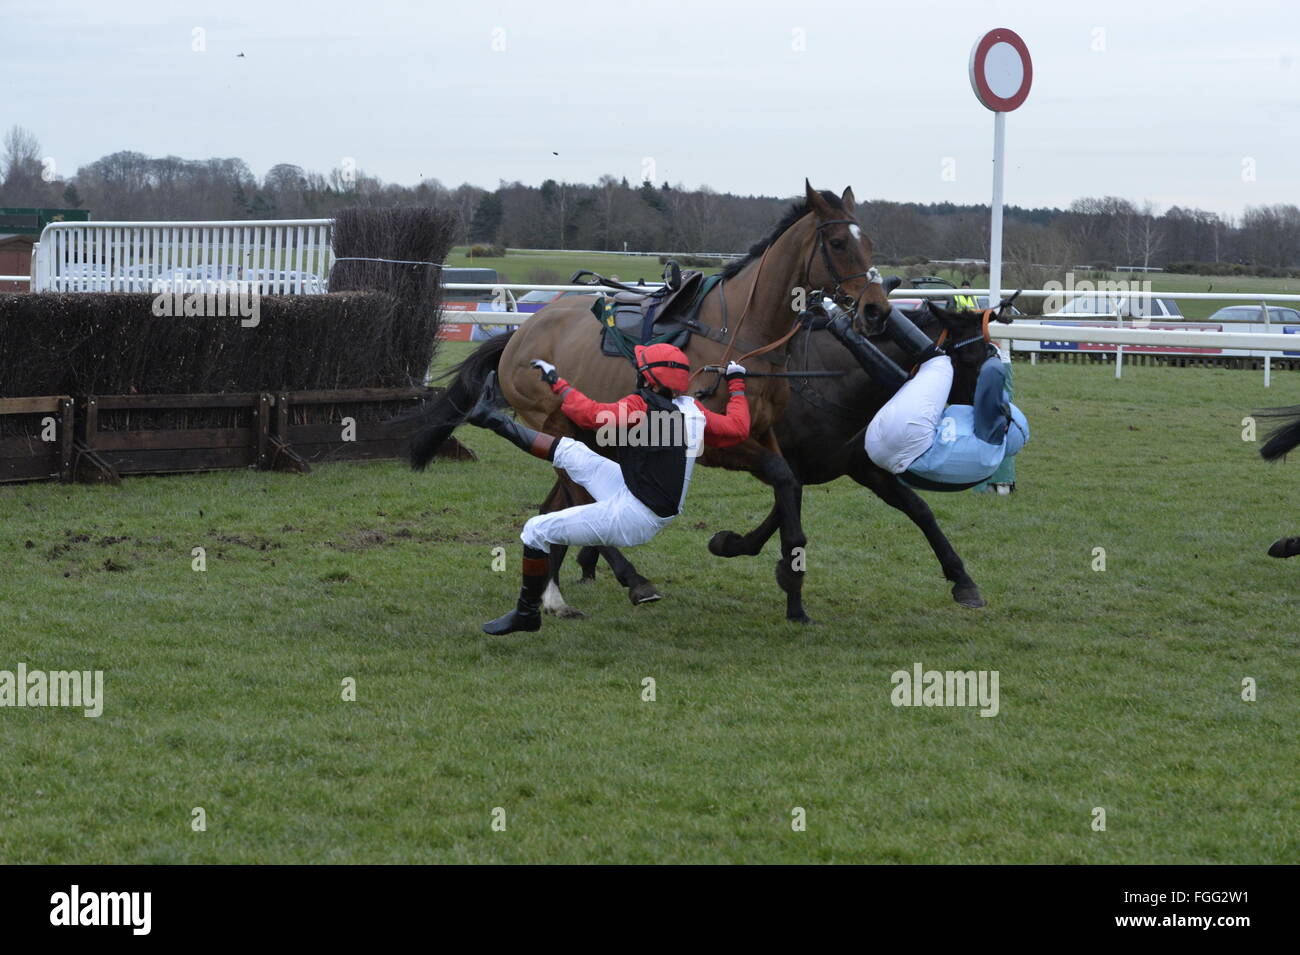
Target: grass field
1119, 689
519, 266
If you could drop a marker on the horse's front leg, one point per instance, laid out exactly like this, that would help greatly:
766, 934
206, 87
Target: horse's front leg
763, 459
731, 544
898, 495
1285, 547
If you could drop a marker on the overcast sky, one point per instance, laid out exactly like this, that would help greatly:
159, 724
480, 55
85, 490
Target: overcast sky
1168, 101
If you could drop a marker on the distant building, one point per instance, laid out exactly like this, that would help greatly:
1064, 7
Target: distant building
20, 229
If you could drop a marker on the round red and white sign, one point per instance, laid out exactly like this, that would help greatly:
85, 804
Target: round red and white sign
1000, 70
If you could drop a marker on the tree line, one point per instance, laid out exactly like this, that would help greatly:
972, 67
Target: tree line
615, 214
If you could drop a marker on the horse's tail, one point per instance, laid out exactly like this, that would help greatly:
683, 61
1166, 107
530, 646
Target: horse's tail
442, 416
1285, 436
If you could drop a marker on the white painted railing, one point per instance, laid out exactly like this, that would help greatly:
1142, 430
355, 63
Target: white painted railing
1083, 331
277, 256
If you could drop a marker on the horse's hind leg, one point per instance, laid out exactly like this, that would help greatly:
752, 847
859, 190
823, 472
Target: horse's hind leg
639, 590
588, 557
898, 495
560, 497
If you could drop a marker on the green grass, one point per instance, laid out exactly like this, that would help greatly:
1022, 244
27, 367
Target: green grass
519, 266
1119, 689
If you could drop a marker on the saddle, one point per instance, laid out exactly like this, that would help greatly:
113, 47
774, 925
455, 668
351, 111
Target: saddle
638, 315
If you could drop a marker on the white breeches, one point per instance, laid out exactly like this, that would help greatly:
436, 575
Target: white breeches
617, 518
905, 427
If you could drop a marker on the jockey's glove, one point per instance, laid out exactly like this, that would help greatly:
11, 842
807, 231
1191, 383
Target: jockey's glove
735, 370
547, 370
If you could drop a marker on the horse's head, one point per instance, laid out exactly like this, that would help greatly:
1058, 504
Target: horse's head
968, 343
839, 262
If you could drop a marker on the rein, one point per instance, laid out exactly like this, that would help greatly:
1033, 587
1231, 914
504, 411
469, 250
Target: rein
984, 333
818, 244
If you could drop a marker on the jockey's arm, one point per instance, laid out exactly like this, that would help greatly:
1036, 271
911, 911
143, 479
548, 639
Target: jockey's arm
589, 414
732, 426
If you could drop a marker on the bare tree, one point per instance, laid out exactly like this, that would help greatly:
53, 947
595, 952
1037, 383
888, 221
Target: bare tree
21, 148
1148, 233
23, 184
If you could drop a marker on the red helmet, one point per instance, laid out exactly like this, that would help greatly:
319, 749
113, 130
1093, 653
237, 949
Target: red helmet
663, 365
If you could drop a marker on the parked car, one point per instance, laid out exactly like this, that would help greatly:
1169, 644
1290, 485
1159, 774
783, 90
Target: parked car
1251, 313
1131, 305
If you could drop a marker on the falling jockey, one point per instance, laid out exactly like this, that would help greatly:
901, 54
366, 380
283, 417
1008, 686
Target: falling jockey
657, 431
918, 435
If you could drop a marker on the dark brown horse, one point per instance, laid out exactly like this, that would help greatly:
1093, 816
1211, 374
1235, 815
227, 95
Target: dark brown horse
817, 246
822, 437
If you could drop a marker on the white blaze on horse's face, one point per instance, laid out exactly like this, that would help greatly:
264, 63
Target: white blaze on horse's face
857, 233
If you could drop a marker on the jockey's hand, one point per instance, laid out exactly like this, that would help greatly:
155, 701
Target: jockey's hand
735, 370
547, 370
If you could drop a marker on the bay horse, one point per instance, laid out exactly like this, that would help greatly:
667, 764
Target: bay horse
817, 246
822, 436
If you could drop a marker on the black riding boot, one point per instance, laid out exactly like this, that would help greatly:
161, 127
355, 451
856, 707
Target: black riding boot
915, 343
874, 362
487, 414
527, 614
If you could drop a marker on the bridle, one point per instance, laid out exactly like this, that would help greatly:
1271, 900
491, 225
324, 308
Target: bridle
984, 334
838, 295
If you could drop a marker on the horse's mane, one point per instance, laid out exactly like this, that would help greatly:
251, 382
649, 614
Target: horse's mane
792, 215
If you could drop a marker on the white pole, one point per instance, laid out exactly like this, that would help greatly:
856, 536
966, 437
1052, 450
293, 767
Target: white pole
1268, 356
1119, 349
995, 230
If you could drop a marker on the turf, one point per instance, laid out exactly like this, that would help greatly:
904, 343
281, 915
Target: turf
1120, 689
520, 265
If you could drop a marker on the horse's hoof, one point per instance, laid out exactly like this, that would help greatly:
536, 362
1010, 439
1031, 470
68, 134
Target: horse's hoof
587, 579
801, 617
643, 594
566, 613
725, 544
1285, 547
969, 597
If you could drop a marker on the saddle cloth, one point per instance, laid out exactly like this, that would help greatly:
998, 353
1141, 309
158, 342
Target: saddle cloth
630, 317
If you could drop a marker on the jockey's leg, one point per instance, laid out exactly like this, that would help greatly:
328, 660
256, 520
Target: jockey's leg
914, 342
882, 369
487, 413
904, 428
527, 614
599, 475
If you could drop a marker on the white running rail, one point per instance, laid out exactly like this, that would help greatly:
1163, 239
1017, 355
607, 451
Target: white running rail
276, 256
